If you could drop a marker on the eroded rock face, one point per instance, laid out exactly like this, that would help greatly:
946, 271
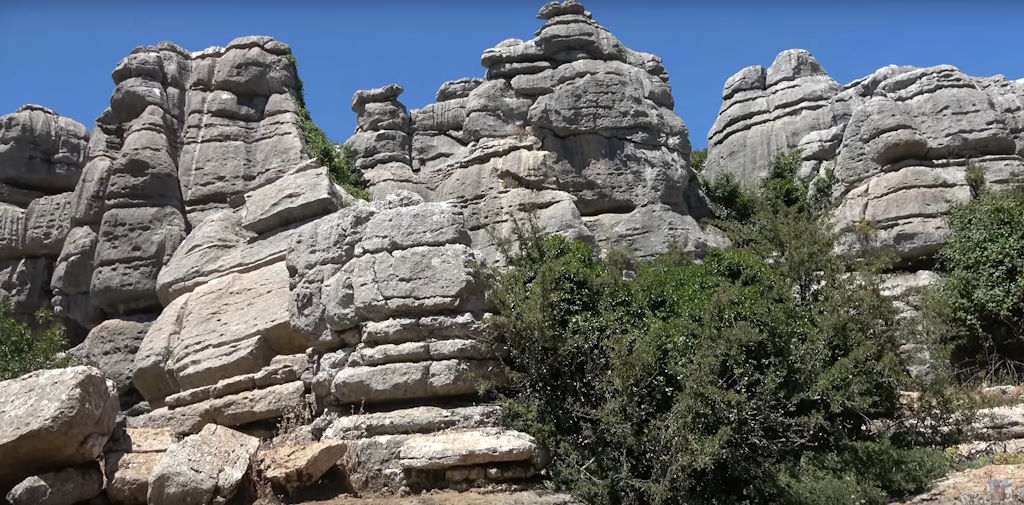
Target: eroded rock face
186, 135
569, 126
893, 147
41, 159
52, 419
63, 487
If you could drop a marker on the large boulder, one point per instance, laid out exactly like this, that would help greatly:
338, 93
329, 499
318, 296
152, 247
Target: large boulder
202, 469
53, 419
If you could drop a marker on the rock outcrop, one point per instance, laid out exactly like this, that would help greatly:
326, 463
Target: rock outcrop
894, 148
570, 126
41, 159
203, 469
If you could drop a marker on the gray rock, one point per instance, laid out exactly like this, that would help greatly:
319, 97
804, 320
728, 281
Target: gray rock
53, 419
459, 88
111, 348
292, 199
202, 469
64, 487
47, 222
411, 381
40, 150
383, 94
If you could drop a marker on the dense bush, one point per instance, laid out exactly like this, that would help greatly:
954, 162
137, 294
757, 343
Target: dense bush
749, 377
24, 349
318, 146
978, 308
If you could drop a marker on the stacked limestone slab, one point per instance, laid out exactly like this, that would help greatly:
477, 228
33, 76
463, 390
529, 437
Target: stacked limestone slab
41, 158
570, 126
897, 142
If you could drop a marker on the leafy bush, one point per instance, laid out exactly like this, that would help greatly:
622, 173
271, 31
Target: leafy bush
24, 349
318, 146
978, 309
697, 159
975, 175
749, 377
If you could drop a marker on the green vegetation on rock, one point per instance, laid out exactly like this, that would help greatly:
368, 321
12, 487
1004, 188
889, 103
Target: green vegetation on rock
977, 311
24, 349
318, 146
752, 376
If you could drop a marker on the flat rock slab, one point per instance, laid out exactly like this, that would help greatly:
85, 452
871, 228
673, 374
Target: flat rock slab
53, 419
202, 469
467, 447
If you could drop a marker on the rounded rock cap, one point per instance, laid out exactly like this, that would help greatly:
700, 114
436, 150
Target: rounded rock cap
384, 94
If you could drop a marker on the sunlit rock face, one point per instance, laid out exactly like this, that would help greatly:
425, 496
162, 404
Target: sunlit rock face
570, 127
892, 148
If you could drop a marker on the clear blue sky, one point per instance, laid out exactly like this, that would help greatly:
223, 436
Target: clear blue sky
60, 54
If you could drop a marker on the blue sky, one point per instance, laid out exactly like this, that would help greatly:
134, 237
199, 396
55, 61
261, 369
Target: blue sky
60, 54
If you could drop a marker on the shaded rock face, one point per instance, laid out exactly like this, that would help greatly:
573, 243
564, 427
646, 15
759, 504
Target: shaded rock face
570, 126
897, 142
186, 135
41, 159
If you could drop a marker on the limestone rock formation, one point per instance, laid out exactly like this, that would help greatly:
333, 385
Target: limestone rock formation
571, 127
41, 158
293, 467
53, 419
894, 148
186, 135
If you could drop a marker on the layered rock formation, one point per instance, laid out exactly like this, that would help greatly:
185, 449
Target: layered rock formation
894, 147
41, 158
570, 126
249, 312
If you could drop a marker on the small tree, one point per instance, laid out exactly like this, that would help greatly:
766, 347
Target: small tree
978, 309
24, 349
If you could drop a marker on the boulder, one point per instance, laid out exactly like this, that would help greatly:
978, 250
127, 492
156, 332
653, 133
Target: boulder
294, 467
63, 487
53, 419
203, 469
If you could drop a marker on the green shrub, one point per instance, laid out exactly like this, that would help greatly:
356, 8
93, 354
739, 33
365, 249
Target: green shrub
975, 175
24, 349
697, 159
318, 146
978, 309
707, 382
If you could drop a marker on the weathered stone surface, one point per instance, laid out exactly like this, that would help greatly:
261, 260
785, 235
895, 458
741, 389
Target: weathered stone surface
63, 487
292, 199
40, 150
128, 476
47, 222
111, 348
467, 447
132, 245
230, 326
295, 467
416, 380
202, 469
893, 147
233, 410
413, 420
53, 419
567, 125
